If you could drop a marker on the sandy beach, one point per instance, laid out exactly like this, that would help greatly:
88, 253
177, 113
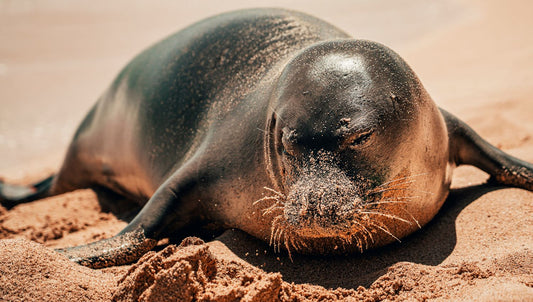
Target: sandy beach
475, 58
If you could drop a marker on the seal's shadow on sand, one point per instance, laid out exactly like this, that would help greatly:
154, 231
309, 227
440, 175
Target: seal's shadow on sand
429, 246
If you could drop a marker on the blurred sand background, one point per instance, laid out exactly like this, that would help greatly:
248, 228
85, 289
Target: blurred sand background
57, 56
474, 57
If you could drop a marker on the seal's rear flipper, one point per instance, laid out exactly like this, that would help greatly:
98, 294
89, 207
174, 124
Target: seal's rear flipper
468, 148
12, 195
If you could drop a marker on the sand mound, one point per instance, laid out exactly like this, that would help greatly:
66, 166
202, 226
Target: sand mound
77, 215
195, 271
43, 221
191, 272
32, 272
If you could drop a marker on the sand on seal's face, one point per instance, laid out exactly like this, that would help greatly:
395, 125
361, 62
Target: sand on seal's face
474, 58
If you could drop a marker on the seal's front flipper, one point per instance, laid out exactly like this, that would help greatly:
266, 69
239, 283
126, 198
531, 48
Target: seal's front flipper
118, 250
12, 195
468, 148
170, 208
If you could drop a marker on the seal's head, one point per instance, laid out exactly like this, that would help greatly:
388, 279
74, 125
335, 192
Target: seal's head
357, 147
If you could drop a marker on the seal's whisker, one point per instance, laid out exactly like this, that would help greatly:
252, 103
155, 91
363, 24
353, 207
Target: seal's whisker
344, 242
386, 215
402, 178
276, 234
275, 192
294, 244
412, 217
403, 209
395, 184
352, 238
398, 189
271, 209
408, 197
394, 187
367, 244
360, 243
385, 202
416, 190
275, 240
300, 243
385, 229
273, 228
366, 230
280, 234
297, 245
405, 198
274, 237
266, 198
287, 246
400, 185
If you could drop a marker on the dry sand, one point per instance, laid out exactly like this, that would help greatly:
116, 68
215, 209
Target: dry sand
474, 57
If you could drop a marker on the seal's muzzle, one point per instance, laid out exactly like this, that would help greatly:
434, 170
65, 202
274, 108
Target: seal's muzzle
323, 199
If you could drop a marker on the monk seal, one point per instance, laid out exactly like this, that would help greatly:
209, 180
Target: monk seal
276, 123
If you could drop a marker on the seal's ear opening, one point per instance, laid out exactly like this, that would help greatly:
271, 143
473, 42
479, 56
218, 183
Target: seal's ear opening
272, 148
468, 148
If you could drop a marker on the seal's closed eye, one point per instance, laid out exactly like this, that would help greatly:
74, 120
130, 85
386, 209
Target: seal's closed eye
288, 140
358, 139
